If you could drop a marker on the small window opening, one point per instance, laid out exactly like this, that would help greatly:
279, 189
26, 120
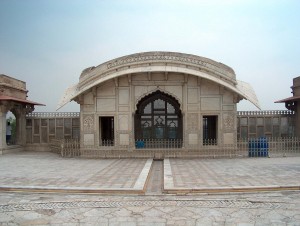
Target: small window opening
210, 130
106, 131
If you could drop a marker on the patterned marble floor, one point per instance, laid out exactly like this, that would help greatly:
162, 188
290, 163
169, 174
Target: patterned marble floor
246, 209
49, 170
154, 208
218, 173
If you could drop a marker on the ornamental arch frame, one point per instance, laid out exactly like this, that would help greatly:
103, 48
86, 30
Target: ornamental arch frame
154, 122
173, 95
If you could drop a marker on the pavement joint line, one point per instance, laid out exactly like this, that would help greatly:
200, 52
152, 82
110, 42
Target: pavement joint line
175, 190
82, 190
168, 176
142, 179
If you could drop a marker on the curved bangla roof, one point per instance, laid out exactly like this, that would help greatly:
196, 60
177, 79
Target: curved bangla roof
160, 62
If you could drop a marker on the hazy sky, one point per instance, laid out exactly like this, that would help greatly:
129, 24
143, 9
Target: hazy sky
47, 43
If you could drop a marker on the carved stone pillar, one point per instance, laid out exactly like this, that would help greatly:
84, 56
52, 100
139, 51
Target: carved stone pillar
20, 112
3, 131
4, 107
17, 112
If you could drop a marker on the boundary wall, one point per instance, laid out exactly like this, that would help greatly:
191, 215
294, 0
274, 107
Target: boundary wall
43, 127
275, 123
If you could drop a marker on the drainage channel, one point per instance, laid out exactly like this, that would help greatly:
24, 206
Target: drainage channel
155, 181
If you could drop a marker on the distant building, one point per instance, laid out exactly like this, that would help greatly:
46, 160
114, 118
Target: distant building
13, 97
151, 99
293, 103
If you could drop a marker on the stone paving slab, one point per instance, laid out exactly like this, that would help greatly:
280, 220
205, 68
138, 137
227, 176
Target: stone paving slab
255, 209
49, 172
225, 175
234, 209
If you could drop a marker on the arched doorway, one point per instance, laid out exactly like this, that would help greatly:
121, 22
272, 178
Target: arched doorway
158, 122
11, 124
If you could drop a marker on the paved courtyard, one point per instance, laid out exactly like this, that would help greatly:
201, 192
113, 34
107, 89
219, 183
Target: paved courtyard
150, 206
50, 171
40, 170
246, 209
232, 174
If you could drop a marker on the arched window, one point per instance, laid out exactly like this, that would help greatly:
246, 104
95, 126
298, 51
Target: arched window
158, 117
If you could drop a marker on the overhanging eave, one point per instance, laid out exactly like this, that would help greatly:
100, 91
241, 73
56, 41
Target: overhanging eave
241, 88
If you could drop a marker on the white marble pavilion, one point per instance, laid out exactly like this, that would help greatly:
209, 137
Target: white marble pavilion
160, 97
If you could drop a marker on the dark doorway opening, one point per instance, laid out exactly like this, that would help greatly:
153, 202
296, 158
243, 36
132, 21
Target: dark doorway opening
106, 125
11, 129
210, 129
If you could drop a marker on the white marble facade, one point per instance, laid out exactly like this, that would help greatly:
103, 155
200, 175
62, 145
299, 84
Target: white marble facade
197, 96
201, 86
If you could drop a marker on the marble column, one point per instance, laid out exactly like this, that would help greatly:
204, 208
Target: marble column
20, 113
3, 111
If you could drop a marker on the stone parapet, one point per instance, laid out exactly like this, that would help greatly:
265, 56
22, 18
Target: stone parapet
52, 114
157, 58
13, 87
264, 113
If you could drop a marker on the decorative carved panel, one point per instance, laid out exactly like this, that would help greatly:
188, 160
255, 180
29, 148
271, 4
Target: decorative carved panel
88, 123
228, 122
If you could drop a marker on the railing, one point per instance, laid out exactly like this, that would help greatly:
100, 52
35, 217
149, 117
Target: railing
56, 145
264, 113
262, 147
65, 147
269, 147
53, 114
158, 143
107, 142
77, 114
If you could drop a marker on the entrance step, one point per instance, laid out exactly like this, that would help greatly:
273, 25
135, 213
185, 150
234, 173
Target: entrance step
12, 149
155, 181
